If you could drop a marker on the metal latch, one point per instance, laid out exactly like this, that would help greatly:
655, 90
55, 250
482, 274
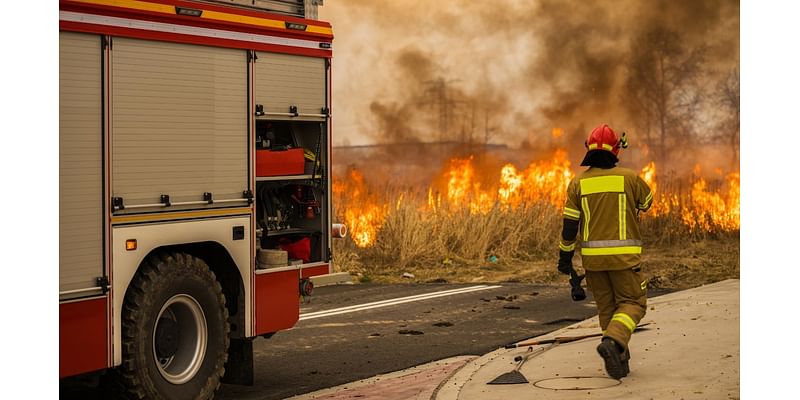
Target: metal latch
103, 282
118, 203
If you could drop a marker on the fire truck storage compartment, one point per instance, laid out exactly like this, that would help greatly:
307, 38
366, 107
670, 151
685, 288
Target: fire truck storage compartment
292, 217
80, 164
291, 210
178, 127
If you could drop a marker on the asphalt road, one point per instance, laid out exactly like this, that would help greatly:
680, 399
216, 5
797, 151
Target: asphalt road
325, 352
333, 350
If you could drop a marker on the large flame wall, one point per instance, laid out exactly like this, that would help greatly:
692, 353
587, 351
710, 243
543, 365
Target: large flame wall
700, 204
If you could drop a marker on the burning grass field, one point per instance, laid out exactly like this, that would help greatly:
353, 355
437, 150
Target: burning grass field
467, 228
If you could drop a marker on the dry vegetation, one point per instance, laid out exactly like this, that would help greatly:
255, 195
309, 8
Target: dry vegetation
520, 245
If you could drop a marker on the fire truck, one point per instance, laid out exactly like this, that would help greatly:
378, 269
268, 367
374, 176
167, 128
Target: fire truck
194, 159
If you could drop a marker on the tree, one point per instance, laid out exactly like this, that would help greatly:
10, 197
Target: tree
663, 93
727, 96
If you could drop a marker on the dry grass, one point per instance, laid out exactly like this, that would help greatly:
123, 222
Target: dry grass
520, 245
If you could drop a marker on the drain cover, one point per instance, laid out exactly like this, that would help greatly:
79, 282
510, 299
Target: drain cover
577, 383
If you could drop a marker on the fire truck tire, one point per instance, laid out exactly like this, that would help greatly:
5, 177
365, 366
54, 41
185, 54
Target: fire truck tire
174, 330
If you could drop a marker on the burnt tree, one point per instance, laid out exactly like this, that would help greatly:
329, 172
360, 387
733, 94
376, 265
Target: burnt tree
727, 97
663, 92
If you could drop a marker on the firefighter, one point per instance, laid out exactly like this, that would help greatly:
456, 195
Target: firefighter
602, 208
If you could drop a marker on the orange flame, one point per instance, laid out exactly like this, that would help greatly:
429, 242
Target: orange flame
649, 176
363, 212
701, 208
714, 209
705, 206
545, 180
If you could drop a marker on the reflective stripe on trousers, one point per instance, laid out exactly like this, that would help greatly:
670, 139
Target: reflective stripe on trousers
611, 247
626, 320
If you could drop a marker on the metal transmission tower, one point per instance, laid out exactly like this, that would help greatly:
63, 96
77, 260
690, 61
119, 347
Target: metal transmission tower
438, 94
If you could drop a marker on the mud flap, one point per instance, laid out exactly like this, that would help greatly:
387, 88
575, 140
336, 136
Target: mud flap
239, 368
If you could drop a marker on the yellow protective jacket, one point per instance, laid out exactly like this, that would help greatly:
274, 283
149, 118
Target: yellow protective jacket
606, 203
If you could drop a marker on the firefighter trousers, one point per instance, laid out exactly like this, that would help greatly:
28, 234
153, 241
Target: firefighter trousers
621, 298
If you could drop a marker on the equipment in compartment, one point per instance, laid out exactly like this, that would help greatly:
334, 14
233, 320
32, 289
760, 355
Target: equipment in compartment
276, 208
275, 135
268, 258
280, 162
280, 205
304, 197
285, 148
277, 150
297, 248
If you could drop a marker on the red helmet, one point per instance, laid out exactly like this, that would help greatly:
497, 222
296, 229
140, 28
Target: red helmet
604, 138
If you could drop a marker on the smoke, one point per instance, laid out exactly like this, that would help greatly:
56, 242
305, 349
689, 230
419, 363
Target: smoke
504, 71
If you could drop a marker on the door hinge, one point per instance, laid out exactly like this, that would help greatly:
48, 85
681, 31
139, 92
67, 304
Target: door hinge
251, 56
106, 42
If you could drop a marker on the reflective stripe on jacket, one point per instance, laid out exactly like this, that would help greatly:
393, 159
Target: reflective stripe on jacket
605, 201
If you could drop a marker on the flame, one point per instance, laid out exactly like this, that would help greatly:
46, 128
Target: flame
557, 133
704, 205
710, 209
701, 208
548, 179
460, 183
649, 176
545, 180
364, 214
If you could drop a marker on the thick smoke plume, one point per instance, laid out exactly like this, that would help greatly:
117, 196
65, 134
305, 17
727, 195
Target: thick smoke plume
509, 71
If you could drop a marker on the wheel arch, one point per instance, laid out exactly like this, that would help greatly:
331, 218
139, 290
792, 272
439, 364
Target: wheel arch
220, 262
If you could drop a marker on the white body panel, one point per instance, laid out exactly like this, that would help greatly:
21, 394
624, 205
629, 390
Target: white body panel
152, 236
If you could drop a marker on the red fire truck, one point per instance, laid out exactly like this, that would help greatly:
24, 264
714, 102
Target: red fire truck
195, 201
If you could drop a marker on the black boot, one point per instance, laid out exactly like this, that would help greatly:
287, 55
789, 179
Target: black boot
613, 356
626, 356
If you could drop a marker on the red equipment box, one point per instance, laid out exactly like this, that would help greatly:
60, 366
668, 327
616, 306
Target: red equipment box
277, 163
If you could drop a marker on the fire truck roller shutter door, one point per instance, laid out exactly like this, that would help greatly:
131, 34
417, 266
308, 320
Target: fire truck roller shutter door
80, 162
285, 80
179, 123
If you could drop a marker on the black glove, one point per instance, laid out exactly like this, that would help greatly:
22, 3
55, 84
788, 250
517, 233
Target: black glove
565, 261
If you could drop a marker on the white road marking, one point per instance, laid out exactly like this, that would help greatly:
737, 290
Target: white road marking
396, 299
391, 302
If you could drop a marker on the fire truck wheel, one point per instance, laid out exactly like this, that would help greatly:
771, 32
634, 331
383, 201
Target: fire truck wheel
174, 330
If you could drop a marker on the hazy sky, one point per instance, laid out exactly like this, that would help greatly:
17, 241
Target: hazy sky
517, 67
